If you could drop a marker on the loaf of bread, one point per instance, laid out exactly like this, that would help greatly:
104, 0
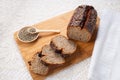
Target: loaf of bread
52, 55
82, 23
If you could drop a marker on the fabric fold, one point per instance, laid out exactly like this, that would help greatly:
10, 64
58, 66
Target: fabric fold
106, 47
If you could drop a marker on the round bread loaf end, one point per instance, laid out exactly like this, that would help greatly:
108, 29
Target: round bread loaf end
37, 66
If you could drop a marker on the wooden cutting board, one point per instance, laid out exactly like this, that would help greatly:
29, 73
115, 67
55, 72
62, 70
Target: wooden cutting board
60, 22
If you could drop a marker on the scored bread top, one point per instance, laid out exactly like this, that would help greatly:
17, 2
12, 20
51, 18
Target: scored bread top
84, 16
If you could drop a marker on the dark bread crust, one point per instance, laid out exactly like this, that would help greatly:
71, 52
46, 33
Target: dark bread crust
84, 18
91, 21
80, 15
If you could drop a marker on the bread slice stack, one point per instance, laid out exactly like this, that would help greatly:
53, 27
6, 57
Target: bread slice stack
52, 55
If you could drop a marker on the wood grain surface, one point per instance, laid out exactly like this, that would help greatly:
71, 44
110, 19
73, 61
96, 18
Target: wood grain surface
60, 22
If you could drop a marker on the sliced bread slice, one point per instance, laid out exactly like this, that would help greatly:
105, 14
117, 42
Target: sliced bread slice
50, 56
63, 45
37, 66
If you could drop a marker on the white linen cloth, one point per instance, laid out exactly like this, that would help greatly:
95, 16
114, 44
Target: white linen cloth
15, 14
105, 63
